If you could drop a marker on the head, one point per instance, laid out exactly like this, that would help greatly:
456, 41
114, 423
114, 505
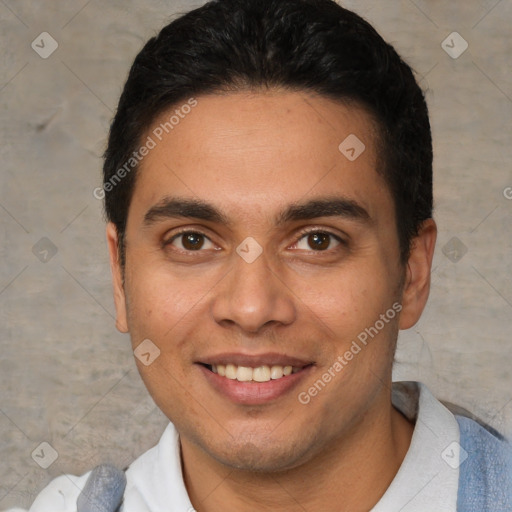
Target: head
268, 187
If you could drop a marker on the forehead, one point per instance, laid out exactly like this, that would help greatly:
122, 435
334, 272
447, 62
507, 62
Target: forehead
260, 150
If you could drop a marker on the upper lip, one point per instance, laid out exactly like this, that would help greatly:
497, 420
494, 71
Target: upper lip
254, 360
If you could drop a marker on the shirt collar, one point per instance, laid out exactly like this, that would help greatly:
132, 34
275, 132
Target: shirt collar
427, 479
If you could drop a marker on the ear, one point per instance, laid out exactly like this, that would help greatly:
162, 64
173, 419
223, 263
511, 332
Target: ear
417, 278
117, 278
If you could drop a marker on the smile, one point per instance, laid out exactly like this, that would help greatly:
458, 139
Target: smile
263, 373
256, 382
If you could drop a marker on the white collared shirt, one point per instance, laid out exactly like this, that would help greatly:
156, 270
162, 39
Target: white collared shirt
427, 480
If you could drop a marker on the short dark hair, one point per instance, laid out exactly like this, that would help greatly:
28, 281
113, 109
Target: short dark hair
300, 45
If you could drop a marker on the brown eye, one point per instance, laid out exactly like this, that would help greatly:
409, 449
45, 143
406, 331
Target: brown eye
317, 241
190, 241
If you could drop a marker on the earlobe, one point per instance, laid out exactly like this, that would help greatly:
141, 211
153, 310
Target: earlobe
117, 278
417, 280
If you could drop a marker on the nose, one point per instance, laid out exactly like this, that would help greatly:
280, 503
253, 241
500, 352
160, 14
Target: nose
253, 297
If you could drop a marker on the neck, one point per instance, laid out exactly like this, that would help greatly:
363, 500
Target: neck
351, 475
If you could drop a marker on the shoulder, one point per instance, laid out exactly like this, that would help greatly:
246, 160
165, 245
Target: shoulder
485, 446
485, 468
105, 486
60, 495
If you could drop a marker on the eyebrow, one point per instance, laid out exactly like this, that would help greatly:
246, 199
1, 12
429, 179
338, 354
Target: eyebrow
171, 207
328, 207
175, 207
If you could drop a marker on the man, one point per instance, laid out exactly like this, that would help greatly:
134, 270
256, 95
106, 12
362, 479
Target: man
268, 186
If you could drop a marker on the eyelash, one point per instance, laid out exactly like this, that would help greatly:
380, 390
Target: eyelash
300, 236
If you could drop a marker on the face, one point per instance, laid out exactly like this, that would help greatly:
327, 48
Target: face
255, 247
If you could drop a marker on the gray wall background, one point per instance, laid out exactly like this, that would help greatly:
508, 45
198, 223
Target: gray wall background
67, 378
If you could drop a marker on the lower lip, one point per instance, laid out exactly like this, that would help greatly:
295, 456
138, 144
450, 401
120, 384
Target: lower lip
254, 393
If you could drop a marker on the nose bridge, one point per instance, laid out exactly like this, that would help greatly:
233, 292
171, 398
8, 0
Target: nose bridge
252, 295
253, 278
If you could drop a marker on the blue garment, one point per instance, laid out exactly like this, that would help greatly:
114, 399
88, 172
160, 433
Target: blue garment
485, 477
103, 491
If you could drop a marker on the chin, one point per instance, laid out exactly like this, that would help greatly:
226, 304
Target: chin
261, 457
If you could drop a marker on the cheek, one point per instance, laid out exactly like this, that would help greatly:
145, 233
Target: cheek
160, 302
347, 300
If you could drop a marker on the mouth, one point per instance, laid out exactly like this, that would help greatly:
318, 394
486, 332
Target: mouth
254, 380
263, 373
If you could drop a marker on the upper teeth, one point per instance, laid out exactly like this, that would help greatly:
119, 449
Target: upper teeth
259, 374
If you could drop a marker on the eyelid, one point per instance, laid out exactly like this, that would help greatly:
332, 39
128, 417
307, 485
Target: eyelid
302, 233
168, 241
319, 229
